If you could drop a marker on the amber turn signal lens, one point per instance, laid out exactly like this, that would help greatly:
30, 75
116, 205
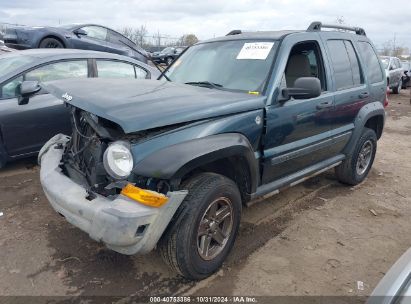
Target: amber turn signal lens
145, 197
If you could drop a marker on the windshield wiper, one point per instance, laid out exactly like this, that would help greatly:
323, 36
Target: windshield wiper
205, 83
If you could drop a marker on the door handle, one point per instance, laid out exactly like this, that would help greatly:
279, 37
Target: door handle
325, 104
364, 95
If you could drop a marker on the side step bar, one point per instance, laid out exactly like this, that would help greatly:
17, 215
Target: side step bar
274, 187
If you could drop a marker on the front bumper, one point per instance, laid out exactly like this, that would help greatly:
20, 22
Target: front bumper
122, 224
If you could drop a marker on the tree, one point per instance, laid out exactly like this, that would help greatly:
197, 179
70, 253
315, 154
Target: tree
189, 39
388, 48
136, 35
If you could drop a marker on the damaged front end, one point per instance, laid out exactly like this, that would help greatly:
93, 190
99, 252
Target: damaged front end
85, 159
114, 211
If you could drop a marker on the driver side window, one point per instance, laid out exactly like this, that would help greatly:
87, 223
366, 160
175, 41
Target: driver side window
305, 60
9, 89
95, 32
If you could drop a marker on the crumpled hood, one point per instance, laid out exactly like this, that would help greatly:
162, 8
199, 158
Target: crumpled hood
138, 105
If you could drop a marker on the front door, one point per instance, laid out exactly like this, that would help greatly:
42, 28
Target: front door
296, 133
26, 128
95, 39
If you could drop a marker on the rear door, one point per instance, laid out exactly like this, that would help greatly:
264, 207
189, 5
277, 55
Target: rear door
25, 128
373, 71
351, 90
297, 135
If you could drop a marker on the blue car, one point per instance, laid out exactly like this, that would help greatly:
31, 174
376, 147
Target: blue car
73, 36
25, 128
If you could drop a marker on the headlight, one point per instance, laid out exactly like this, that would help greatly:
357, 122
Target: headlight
118, 160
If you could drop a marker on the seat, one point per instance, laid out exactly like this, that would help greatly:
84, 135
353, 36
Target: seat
298, 66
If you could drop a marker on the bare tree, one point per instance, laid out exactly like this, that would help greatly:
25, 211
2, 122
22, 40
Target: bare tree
388, 48
189, 39
127, 32
140, 34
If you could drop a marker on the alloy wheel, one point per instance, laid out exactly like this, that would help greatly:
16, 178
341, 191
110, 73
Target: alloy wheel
215, 228
364, 157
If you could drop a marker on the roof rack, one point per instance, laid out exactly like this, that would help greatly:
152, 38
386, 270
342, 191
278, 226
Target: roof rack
234, 32
317, 26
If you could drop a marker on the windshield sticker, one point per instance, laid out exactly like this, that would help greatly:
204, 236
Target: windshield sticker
255, 50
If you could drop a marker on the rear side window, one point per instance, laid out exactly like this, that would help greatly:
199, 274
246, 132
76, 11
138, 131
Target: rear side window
355, 65
347, 73
371, 62
114, 69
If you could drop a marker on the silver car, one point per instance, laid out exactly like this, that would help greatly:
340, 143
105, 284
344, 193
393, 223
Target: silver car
395, 286
394, 72
406, 77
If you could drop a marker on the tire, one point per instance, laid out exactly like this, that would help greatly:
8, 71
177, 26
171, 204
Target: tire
51, 43
404, 85
3, 158
397, 89
169, 60
353, 170
181, 247
2, 162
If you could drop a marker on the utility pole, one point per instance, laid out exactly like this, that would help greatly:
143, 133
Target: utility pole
394, 54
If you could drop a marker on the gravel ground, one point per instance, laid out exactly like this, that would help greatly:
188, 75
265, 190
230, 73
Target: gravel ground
318, 238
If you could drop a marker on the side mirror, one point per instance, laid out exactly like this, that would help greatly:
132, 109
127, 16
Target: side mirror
391, 68
80, 32
304, 88
26, 90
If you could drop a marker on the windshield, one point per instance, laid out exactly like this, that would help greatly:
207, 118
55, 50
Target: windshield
385, 62
10, 64
240, 65
167, 50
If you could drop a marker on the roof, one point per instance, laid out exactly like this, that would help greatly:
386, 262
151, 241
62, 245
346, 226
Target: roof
272, 35
46, 55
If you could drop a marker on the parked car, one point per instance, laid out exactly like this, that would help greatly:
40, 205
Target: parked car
25, 128
395, 286
238, 118
394, 72
73, 36
4, 48
406, 77
168, 55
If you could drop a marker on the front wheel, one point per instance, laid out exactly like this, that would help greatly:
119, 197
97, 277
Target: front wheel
51, 43
169, 60
354, 169
204, 228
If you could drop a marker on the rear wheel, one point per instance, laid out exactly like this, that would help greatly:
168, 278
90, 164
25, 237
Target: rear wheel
397, 89
204, 229
51, 43
354, 169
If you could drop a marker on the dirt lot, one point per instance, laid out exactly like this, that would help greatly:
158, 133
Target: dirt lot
318, 238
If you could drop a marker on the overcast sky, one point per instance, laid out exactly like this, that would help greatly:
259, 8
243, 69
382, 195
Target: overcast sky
206, 19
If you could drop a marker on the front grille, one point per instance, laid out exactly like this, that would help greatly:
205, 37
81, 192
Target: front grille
83, 156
